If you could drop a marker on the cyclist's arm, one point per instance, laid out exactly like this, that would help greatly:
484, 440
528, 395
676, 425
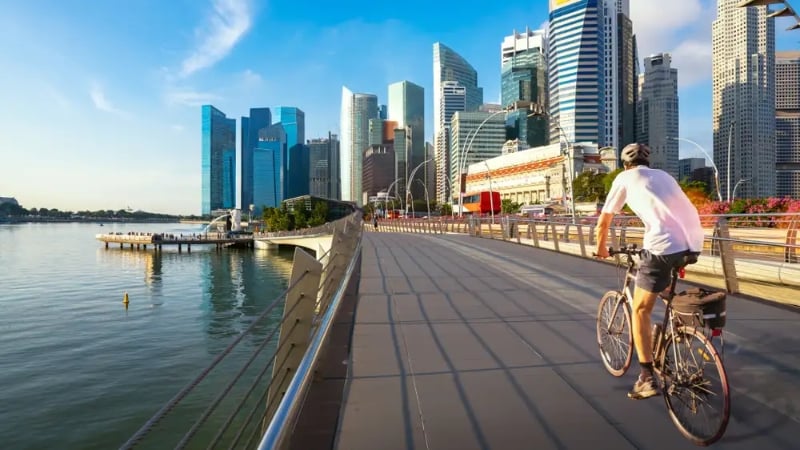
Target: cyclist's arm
615, 200
601, 233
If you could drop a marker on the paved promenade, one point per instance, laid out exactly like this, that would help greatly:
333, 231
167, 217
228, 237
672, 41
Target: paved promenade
464, 343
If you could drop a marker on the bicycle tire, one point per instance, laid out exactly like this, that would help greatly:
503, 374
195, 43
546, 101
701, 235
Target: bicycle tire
708, 353
618, 365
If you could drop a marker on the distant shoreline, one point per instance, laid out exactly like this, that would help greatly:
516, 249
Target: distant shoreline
92, 220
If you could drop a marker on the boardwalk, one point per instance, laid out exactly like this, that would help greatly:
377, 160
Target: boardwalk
464, 343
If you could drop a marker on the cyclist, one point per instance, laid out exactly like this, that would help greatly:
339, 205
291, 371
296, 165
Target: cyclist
673, 236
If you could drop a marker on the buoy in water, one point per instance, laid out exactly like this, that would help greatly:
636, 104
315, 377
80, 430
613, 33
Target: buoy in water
125, 300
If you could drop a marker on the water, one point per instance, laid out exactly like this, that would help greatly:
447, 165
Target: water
78, 371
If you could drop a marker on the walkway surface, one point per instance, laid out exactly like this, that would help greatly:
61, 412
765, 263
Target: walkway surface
466, 343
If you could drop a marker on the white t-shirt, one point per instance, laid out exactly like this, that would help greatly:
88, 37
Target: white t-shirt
671, 221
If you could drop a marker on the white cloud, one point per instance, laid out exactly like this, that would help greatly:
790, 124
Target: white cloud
228, 22
251, 78
679, 27
101, 102
177, 128
190, 97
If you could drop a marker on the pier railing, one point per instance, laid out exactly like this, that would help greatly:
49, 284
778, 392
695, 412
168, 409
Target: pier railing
759, 250
265, 384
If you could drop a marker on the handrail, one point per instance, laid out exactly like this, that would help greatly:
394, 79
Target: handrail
278, 429
291, 355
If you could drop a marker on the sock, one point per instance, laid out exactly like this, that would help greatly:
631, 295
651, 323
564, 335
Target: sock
647, 370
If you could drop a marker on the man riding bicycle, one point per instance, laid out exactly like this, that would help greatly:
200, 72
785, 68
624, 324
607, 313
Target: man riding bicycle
672, 232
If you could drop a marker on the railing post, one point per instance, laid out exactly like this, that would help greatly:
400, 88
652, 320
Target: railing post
790, 254
726, 256
579, 227
555, 237
566, 232
532, 228
296, 325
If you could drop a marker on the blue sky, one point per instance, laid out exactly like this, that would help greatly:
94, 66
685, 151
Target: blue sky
101, 103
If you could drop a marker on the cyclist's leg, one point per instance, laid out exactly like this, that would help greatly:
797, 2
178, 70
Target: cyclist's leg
652, 278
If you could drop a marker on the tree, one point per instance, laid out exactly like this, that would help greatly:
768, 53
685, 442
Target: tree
300, 218
509, 207
445, 209
319, 214
589, 187
608, 180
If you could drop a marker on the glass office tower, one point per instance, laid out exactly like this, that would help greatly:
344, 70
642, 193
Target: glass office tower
218, 157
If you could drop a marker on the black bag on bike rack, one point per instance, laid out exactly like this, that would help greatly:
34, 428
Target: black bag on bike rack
700, 307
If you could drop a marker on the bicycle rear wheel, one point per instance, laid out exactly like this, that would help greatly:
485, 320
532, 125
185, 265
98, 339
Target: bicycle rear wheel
695, 386
614, 333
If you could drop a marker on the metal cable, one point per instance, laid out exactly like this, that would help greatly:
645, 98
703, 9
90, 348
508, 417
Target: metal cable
255, 383
230, 385
192, 384
269, 404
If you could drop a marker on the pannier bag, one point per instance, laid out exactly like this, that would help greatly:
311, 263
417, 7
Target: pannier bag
700, 307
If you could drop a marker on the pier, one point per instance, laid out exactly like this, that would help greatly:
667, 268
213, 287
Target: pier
158, 240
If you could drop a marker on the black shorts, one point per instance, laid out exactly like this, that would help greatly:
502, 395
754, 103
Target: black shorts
655, 271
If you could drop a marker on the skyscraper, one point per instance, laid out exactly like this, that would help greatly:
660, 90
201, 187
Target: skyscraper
787, 159
217, 160
297, 157
259, 119
407, 108
743, 104
324, 167
627, 77
523, 66
657, 112
449, 66
356, 111
452, 99
577, 71
269, 168
486, 144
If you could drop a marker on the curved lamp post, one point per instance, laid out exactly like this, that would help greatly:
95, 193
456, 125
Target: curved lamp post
410, 180
716, 172
427, 198
733, 196
491, 197
462, 163
786, 11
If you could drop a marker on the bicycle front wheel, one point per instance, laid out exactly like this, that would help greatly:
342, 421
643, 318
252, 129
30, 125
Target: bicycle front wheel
614, 333
695, 386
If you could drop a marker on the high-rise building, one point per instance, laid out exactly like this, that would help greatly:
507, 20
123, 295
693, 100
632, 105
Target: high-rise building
627, 77
453, 98
577, 72
686, 166
324, 167
787, 102
297, 158
217, 160
357, 110
379, 163
407, 108
523, 68
743, 104
269, 168
258, 119
483, 145
657, 112
449, 66
592, 71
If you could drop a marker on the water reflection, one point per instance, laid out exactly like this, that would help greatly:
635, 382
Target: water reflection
237, 286
148, 262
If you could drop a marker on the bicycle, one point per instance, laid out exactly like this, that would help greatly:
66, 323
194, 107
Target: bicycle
675, 359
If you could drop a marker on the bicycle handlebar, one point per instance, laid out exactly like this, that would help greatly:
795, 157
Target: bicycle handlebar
630, 250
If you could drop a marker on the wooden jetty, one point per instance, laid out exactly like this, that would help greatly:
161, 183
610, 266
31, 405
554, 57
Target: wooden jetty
158, 240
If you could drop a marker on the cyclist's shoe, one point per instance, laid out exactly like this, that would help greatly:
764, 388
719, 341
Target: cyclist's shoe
643, 388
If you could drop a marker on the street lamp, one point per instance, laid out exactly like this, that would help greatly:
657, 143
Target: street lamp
537, 111
737, 185
491, 197
786, 11
716, 172
410, 180
427, 198
388, 191
463, 159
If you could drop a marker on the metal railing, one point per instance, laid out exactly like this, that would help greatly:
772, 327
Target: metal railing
759, 249
263, 390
